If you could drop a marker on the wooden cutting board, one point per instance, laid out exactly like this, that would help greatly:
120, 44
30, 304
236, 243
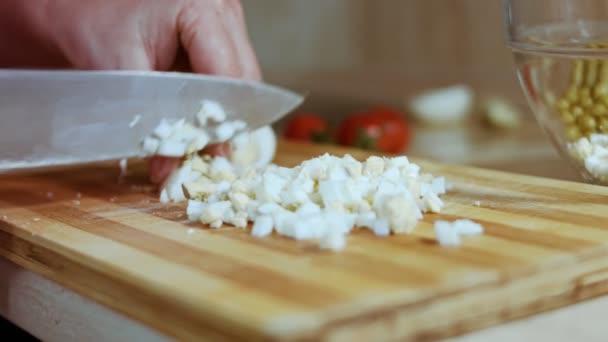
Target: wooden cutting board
545, 246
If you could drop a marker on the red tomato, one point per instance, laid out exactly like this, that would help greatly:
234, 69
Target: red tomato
380, 128
307, 127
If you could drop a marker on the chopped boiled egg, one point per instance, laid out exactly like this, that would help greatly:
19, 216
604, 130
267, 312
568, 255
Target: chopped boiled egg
321, 199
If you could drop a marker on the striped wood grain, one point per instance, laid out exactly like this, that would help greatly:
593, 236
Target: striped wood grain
546, 245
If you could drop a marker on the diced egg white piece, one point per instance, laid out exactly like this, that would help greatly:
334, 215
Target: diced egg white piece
305, 229
229, 215
270, 187
173, 185
438, 185
164, 196
333, 241
171, 148
210, 110
198, 143
239, 125
293, 195
352, 166
163, 130
216, 224
337, 172
252, 209
223, 186
399, 162
221, 169
582, 148
425, 188
411, 170
263, 226
214, 212
185, 133
432, 203
195, 209
599, 139
239, 200
446, 234
401, 213
284, 222
467, 227
199, 165
342, 222
392, 175
201, 188
365, 219
150, 145
380, 227
374, 166
224, 131
266, 140
269, 208
308, 208
245, 153
239, 222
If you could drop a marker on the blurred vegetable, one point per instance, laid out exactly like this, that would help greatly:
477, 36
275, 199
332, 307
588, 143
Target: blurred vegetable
380, 128
499, 113
308, 127
443, 106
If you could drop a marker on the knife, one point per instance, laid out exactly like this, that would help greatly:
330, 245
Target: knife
55, 118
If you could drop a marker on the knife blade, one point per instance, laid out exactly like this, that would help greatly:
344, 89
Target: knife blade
55, 118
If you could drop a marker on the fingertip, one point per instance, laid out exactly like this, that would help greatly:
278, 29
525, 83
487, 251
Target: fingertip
160, 168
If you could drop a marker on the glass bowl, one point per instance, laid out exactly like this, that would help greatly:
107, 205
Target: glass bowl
560, 49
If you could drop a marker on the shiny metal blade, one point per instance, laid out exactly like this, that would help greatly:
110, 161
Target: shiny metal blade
52, 118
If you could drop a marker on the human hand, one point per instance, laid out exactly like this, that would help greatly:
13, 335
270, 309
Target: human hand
202, 36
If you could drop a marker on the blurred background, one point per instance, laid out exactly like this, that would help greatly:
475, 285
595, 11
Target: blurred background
352, 54
380, 50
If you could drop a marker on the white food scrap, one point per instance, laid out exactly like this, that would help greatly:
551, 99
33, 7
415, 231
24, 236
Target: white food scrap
135, 121
123, 167
592, 154
449, 233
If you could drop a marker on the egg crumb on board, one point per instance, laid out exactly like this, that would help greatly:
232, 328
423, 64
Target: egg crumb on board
592, 154
449, 233
322, 199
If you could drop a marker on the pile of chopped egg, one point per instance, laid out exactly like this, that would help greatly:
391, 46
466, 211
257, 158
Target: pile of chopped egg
592, 153
322, 199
